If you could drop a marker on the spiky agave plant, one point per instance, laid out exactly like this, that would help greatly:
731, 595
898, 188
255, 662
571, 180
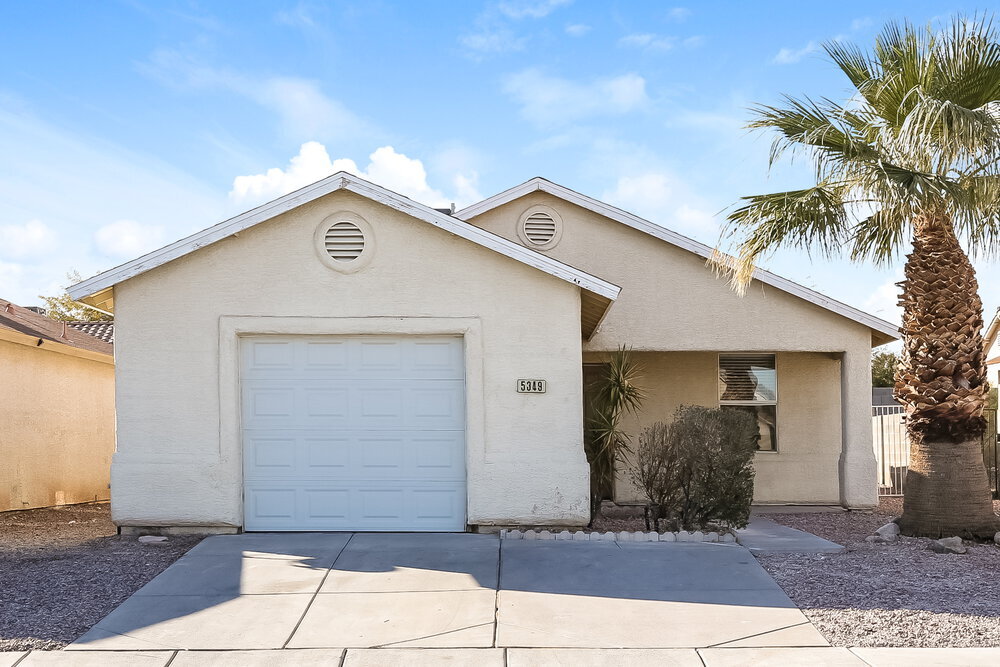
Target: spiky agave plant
913, 157
612, 395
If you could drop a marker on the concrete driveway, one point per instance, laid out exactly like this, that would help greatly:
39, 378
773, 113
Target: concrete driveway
335, 591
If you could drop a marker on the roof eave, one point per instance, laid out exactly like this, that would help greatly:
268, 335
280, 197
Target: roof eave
86, 289
879, 327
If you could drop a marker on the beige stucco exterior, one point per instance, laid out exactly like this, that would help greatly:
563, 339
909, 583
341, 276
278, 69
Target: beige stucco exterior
672, 302
57, 435
178, 461
804, 470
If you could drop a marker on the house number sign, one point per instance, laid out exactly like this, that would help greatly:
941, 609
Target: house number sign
531, 386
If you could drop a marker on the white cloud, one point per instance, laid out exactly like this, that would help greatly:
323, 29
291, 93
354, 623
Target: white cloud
531, 9
128, 239
647, 42
577, 29
662, 198
549, 100
788, 56
386, 167
304, 110
491, 40
861, 24
76, 183
883, 301
32, 239
678, 13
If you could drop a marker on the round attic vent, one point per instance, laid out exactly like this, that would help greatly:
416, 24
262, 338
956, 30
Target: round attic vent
344, 241
540, 227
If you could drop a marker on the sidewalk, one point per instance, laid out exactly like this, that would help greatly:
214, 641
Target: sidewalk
515, 657
763, 536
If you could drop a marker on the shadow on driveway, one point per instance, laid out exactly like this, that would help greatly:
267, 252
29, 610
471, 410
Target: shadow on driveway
335, 590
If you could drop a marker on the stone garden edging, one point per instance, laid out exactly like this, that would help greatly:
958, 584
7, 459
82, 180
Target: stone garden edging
622, 536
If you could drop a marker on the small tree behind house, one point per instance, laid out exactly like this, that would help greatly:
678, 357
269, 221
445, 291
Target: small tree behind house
61, 307
884, 369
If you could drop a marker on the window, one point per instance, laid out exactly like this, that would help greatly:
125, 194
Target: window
749, 382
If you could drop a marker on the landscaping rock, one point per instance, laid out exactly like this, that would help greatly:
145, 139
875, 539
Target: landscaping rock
996, 539
948, 545
148, 539
889, 532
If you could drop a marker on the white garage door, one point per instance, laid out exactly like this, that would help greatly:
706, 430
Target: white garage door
353, 433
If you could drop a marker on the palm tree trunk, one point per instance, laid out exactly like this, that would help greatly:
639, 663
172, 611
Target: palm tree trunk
942, 382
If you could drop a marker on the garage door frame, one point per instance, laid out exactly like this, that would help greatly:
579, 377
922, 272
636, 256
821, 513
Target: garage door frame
233, 328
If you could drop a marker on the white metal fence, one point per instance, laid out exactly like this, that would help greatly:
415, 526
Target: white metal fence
892, 448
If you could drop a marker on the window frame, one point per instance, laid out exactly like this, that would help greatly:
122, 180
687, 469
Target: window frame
753, 403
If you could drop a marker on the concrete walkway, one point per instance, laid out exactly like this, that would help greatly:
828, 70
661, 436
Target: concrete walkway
763, 536
516, 657
337, 591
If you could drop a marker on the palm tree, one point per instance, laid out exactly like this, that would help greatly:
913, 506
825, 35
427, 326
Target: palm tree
913, 156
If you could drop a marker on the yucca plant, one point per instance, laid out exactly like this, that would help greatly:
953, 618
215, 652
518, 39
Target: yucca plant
612, 395
911, 158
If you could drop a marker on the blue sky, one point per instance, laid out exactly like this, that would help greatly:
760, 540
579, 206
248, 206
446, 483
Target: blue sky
126, 125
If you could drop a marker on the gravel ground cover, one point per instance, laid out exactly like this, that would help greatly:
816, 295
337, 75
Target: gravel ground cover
897, 594
64, 569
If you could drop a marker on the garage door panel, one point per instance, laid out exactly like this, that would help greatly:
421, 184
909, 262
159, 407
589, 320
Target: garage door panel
370, 404
354, 433
373, 506
354, 455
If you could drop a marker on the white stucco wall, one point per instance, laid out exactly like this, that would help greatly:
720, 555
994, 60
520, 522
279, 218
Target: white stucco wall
178, 460
671, 301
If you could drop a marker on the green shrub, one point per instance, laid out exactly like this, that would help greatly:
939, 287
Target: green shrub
698, 470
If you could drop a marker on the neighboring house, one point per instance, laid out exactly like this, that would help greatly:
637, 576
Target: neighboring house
991, 344
57, 412
353, 360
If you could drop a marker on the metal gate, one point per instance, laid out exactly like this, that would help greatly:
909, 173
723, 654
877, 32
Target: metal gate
892, 449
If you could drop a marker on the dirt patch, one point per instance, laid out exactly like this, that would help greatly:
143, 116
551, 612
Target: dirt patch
64, 569
897, 594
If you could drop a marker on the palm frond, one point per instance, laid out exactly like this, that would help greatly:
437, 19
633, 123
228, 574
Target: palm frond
956, 133
813, 218
878, 237
822, 126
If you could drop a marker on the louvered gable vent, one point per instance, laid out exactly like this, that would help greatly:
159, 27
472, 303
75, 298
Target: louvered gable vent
344, 241
539, 228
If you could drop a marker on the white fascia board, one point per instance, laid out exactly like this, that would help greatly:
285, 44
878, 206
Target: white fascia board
991, 331
676, 239
341, 181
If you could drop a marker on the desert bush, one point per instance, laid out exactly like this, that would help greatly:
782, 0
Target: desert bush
698, 470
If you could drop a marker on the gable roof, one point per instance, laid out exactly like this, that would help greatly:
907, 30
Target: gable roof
598, 294
882, 330
991, 334
27, 326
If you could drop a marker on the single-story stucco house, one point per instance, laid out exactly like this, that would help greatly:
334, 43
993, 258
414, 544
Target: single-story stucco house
353, 360
57, 412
